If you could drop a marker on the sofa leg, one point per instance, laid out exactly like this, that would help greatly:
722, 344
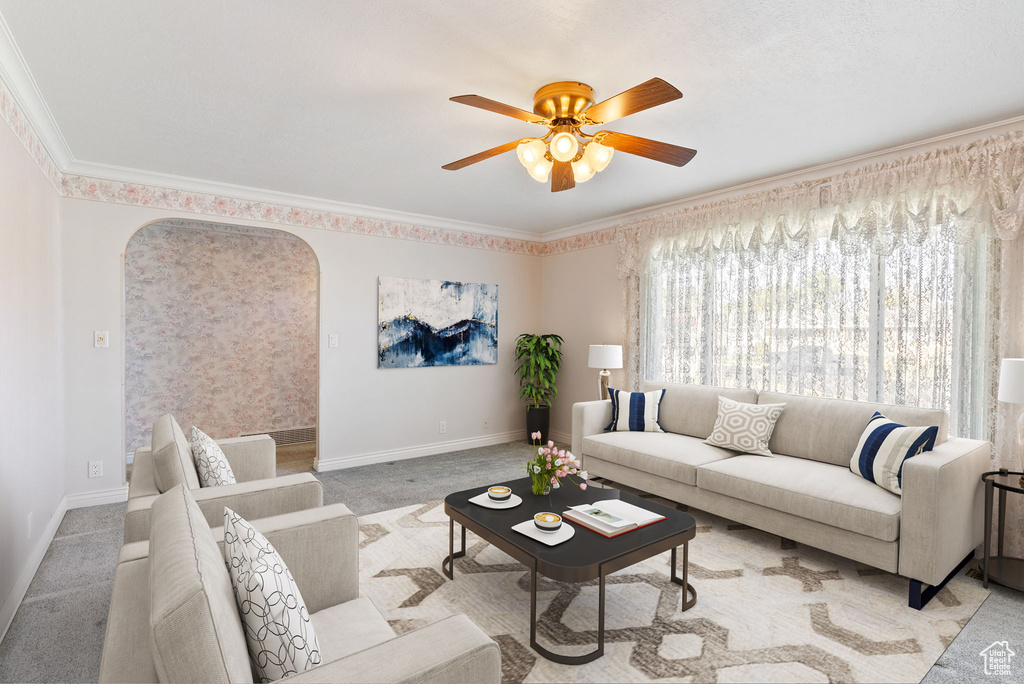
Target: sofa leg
920, 596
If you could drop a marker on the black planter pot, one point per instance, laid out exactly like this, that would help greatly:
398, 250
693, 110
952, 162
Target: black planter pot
538, 420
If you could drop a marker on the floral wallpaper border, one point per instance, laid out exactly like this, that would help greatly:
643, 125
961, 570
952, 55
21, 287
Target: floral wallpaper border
23, 130
137, 194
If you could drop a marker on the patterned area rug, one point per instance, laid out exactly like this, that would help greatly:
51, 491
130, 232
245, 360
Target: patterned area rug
768, 609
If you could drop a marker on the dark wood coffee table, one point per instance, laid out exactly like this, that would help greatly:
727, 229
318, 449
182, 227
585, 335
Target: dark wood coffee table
588, 555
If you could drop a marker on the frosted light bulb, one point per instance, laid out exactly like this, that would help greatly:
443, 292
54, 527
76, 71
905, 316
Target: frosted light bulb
564, 146
541, 170
582, 171
530, 152
598, 155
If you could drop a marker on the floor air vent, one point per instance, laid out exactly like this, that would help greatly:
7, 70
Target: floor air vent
293, 436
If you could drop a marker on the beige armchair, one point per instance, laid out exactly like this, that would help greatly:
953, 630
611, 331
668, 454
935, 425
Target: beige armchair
173, 616
259, 493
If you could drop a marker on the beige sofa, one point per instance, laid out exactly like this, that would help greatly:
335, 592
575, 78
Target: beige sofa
173, 615
259, 493
805, 491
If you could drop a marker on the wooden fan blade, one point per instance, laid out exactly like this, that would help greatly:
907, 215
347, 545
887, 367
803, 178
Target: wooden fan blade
480, 156
644, 96
642, 147
561, 177
499, 108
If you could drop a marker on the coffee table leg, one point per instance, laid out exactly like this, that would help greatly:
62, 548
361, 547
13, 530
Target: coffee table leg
448, 564
689, 593
555, 657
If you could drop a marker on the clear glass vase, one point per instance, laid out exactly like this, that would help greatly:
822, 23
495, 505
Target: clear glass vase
541, 484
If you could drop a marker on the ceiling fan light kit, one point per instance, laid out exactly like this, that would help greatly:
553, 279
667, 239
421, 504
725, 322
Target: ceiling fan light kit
571, 154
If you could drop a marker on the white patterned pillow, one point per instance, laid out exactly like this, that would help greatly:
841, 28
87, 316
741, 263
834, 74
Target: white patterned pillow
277, 627
212, 465
744, 427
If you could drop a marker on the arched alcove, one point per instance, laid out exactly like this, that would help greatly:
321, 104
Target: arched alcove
221, 331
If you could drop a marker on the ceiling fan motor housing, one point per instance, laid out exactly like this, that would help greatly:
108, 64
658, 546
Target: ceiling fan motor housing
563, 100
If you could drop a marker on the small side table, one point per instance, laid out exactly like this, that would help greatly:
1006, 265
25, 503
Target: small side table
999, 568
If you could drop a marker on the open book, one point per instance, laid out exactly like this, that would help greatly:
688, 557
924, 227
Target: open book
612, 517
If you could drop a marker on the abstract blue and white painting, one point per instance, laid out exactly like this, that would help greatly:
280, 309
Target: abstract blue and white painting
436, 323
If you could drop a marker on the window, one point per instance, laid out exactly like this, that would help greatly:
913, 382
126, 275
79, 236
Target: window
852, 319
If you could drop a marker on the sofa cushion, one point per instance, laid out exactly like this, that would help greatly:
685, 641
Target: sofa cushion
350, 627
666, 454
172, 456
195, 632
809, 489
828, 430
692, 409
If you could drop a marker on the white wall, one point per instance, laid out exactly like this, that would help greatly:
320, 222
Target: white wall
363, 410
31, 384
581, 300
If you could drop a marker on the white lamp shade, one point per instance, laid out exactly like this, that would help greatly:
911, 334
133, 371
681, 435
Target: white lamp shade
1011, 381
605, 356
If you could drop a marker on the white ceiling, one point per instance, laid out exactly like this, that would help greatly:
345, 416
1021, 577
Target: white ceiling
348, 101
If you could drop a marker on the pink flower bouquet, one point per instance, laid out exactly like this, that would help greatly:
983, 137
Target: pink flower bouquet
552, 465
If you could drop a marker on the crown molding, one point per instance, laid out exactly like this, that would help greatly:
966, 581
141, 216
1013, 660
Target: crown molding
163, 181
23, 88
25, 110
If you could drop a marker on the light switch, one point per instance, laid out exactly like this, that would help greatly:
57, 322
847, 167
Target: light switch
101, 338
332, 341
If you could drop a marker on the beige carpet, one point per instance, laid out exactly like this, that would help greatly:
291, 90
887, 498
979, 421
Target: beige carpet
768, 609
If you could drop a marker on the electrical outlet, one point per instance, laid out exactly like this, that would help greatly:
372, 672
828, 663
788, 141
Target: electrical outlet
487, 423
95, 468
29, 525
100, 338
443, 427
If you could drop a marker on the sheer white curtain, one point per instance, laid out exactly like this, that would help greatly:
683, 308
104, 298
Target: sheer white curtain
833, 316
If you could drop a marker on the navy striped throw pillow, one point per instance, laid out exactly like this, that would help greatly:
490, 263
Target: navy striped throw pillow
635, 411
884, 447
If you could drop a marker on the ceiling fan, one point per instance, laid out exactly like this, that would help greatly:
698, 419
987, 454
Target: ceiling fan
566, 153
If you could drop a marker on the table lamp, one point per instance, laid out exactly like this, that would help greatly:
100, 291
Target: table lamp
605, 356
1011, 391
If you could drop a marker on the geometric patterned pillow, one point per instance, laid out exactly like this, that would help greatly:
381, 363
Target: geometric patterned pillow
277, 627
885, 446
212, 465
635, 411
744, 427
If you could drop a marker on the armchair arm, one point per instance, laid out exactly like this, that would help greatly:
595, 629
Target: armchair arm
251, 500
589, 418
450, 650
251, 458
941, 521
320, 546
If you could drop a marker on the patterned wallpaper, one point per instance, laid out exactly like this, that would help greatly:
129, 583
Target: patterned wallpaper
221, 329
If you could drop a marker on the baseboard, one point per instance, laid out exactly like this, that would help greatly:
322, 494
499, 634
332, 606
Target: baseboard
560, 437
325, 464
104, 496
13, 602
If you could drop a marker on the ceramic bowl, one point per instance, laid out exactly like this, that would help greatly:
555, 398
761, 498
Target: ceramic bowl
547, 522
499, 493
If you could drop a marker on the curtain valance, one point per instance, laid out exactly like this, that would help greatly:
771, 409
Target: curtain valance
967, 191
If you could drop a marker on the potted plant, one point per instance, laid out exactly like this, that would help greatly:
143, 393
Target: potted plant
539, 357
